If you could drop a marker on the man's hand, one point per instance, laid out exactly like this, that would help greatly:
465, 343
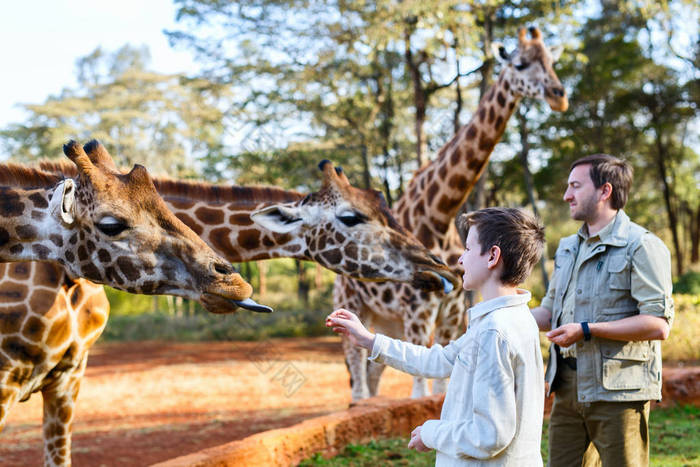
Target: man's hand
347, 323
566, 335
416, 442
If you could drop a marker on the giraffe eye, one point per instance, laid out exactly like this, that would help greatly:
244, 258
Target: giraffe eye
111, 226
352, 218
522, 66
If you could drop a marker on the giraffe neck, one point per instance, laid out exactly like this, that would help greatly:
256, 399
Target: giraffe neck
29, 230
437, 191
220, 215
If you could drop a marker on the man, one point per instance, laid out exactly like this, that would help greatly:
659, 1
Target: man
608, 305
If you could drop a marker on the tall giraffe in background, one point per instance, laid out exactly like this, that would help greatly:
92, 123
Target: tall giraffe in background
348, 229
104, 225
428, 208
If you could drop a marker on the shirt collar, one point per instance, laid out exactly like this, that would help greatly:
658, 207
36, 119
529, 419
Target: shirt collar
480, 309
603, 234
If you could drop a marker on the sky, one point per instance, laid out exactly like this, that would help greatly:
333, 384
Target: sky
41, 41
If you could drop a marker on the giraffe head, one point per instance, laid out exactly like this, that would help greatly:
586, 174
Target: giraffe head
529, 69
113, 228
352, 231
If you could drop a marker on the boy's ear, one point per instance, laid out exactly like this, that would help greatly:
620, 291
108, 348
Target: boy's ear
494, 257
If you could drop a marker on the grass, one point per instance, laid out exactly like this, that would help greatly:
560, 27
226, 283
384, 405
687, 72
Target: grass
674, 443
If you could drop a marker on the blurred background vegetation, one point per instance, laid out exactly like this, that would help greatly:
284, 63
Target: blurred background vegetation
379, 87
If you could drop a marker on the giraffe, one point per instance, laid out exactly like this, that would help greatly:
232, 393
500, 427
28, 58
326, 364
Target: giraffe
109, 227
361, 228
348, 230
429, 206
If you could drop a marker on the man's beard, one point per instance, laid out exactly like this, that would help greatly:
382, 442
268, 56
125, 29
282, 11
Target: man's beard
586, 210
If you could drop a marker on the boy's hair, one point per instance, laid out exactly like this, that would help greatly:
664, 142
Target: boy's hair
518, 234
609, 169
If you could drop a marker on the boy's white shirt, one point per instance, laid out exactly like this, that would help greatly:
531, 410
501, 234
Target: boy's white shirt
492, 414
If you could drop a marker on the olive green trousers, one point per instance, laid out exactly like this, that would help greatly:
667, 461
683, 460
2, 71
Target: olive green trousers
610, 434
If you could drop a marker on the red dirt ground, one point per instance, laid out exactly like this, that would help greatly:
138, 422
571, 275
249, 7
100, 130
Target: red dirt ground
145, 402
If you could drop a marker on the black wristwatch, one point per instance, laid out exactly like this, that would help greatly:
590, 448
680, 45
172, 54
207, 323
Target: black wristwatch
586, 331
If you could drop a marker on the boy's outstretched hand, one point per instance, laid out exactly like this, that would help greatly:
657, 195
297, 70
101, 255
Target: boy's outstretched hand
347, 323
416, 441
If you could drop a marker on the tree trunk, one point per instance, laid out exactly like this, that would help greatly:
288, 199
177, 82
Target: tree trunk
318, 279
303, 282
695, 236
365, 168
262, 275
661, 155
529, 185
419, 96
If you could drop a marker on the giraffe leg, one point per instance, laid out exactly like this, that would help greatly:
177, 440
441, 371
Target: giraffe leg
389, 327
450, 325
374, 374
59, 409
8, 398
417, 329
356, 361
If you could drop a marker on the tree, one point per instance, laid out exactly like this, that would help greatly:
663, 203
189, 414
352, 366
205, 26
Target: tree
154, 119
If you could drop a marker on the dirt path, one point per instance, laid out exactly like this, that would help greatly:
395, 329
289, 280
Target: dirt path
146, 402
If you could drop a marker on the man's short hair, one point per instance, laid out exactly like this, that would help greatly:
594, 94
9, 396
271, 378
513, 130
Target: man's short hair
518, 234
609, 169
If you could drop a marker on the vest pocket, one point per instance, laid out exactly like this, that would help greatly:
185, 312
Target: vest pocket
624, 364
619, 273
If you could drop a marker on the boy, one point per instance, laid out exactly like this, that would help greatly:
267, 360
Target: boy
492, 414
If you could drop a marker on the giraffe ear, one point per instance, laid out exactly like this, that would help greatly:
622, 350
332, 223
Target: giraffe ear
499, 52
64, 200
556, 52
279, 218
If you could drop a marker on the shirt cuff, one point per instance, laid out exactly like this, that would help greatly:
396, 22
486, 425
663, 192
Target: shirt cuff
427, 433
379, 346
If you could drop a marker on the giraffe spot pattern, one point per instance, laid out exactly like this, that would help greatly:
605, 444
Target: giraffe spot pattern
41, 299
472, 132
501, 99
104, 256
12, 319
20, 350
332, 257
38, 200
4, 236
10, 205
126, 266
492, 115
499, 123
209, 216
249, 239
56, 240
19, 271
26, 232
33, 329
240, 219
41, 251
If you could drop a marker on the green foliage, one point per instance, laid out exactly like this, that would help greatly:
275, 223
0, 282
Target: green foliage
140, 116
674, 443
688, 283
